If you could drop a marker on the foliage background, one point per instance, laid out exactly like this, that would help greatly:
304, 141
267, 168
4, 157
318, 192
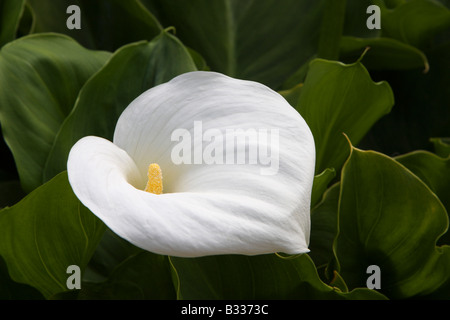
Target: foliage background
380, 118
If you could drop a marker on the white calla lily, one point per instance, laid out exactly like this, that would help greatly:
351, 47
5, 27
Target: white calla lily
208, 206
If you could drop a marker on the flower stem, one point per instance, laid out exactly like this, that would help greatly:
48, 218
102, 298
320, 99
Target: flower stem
331, 29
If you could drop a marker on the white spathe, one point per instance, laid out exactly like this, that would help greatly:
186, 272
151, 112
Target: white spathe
206, 209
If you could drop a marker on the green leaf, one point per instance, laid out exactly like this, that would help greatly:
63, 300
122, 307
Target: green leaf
10, 13
265, 40
338, 282
143, 276
441, 146
414, 22
445, 2
337, 99
10, 192
11, 290
109, 254
421, 107
435, 172
292, 95
384, 53
324, 225
256, 277
26, 21
320, 184
388, 217
105, 24
131, 70
355, 24
199, 61
40, 76
292, 86
120, 270
8, 170
45, 233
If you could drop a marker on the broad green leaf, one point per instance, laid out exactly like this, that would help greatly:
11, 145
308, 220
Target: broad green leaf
8, 170
336, 99
338, 282
45, 233
256, 277
355, 24
292, 95
292, 86
388, 217
132, 70
441, 146
10, 13
199, 61
320, 184
105, 24
10, 192
421, 107
11, 290
384, 53
119, 270
445, 2
143, 276
109, 254
324, 228
40, 76
435, 172
265, 40
414, 22
26, 21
